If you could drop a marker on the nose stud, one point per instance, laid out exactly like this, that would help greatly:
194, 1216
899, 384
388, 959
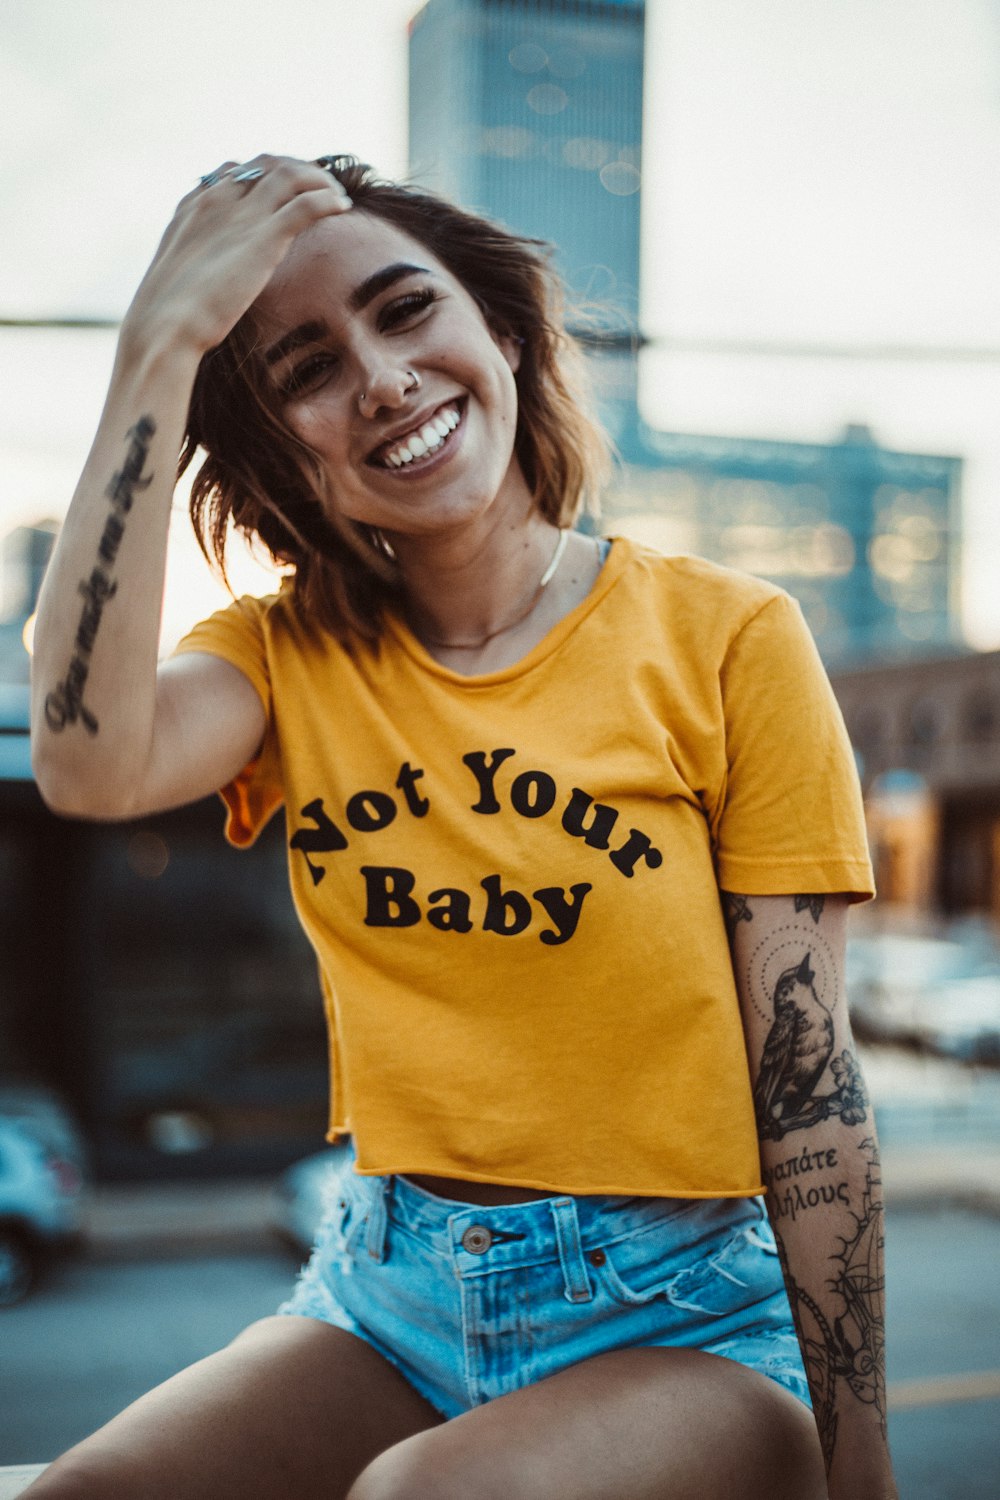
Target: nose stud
414, 384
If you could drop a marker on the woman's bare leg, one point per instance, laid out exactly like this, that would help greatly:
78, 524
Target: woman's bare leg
292, 1409
642, 1424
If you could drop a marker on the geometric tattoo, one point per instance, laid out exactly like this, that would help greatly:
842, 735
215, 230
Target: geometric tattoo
65, 705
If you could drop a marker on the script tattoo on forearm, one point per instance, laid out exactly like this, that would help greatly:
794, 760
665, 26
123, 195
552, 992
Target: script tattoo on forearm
845, 1346
65, 705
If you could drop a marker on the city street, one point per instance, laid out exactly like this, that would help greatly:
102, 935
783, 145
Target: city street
100, 1331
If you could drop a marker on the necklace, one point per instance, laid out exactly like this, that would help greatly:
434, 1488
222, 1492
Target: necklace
543, 582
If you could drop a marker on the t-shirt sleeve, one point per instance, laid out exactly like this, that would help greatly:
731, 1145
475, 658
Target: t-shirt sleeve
791, 818
237, 635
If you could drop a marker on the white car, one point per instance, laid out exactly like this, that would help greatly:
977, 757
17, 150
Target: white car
41, 1203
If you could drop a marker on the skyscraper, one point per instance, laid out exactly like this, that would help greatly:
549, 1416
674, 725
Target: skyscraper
531, 112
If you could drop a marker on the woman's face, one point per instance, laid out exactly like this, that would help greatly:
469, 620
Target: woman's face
356, 306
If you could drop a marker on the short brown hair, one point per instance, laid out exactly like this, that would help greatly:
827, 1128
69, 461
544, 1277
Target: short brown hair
258, 475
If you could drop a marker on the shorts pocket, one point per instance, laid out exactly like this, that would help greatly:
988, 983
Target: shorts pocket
740, 1271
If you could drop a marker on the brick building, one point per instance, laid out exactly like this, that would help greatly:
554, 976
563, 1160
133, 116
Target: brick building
927, 735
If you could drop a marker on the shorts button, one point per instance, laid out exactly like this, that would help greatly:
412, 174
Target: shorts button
477, 1239
597, 1257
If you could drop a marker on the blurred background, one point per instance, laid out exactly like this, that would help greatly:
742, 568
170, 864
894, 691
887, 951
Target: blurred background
778, 224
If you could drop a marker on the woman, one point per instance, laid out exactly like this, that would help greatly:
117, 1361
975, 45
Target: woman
526, 773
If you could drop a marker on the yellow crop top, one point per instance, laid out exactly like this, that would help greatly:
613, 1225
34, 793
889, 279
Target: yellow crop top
511, 880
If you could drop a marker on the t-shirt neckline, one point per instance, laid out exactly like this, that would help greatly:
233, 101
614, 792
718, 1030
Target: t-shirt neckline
611, 570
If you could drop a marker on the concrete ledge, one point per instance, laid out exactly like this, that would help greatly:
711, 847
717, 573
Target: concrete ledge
14, 1481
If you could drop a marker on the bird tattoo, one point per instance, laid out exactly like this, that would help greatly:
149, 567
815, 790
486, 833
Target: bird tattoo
796, 1052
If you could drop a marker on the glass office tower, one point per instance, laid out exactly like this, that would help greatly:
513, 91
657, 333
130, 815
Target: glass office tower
531, 112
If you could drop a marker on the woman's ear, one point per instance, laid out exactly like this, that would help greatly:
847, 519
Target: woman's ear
510, 346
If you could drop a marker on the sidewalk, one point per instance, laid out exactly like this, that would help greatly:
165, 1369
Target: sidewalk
138, 1219
144, 1218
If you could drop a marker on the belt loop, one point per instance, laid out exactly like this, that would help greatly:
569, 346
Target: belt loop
578, 1287
378, 1218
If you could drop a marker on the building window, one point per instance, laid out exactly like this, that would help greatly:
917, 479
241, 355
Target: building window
981, 717
923, 731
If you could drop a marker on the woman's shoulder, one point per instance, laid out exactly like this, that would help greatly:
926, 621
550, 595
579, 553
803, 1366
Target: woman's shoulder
692, 587
257, 623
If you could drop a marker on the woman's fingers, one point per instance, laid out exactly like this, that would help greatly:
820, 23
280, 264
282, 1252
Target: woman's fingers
227, 238
276, 178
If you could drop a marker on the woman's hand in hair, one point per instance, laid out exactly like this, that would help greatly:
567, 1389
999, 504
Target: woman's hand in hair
222, 246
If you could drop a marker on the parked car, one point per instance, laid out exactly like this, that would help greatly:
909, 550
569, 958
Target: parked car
939, 995
41, 1203
301, 1194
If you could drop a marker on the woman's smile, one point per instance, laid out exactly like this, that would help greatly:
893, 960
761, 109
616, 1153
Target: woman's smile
426, 445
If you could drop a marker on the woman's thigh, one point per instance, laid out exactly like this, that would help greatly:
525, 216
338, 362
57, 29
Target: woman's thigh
292, 1408
649, 1424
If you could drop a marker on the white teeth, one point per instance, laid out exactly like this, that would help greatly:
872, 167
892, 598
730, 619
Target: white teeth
427, 440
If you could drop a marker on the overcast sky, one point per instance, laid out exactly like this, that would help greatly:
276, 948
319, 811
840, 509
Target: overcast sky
818, 175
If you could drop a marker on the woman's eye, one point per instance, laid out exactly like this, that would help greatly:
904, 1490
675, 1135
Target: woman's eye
307, 374
407, 307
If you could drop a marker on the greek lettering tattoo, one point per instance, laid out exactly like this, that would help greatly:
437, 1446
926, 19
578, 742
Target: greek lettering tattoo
812, 904
790, 1202
65, 705
848, 1351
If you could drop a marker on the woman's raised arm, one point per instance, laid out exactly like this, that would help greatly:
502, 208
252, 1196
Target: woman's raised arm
112, 737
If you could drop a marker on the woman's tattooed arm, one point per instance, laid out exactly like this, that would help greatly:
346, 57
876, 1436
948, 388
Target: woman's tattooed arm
820, 1162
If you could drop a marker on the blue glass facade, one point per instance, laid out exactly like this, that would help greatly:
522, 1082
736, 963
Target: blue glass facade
531, 112
863, 537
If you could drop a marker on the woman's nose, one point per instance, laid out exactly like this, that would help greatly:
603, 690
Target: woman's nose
387, 386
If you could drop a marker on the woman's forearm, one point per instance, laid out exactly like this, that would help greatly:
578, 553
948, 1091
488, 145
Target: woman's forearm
96, 635
825, 1203
819, 1156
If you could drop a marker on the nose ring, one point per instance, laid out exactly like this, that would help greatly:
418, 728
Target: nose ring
414, 384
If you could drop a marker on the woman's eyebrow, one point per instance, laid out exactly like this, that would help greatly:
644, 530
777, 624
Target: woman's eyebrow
305, 333
380, 280
312, 332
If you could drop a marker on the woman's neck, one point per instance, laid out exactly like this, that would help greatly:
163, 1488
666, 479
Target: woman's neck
467, 590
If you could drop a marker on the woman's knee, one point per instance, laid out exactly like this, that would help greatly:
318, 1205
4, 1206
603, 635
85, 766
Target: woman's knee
76, 1476
415, 1469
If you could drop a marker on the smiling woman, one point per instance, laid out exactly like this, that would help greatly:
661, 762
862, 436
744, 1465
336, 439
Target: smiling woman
447, 286
523, 770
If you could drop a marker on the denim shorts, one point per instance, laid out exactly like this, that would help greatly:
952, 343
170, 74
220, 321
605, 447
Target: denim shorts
470, 1303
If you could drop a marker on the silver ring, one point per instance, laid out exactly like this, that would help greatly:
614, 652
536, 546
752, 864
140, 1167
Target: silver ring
249, 174
211, 178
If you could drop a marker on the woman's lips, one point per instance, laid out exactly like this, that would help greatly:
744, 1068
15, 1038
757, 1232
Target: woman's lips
437, 456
